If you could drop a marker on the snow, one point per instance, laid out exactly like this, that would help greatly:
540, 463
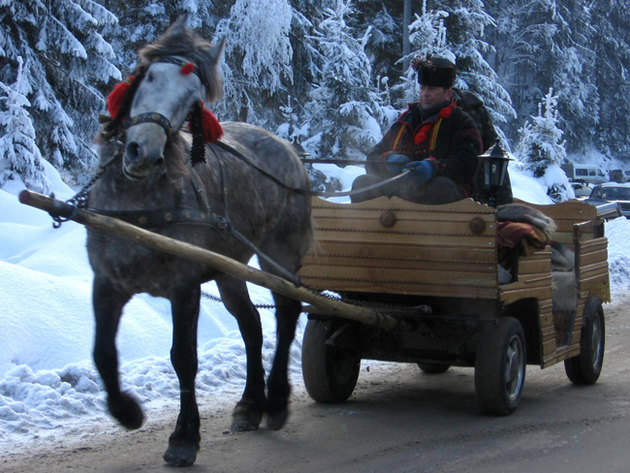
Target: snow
48, 384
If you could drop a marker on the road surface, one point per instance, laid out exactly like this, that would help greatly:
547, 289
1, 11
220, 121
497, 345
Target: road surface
398, 420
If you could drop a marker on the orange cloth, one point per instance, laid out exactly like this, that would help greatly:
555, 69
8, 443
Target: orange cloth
525, 237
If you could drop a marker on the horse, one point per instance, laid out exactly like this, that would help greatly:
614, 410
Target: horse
231, 187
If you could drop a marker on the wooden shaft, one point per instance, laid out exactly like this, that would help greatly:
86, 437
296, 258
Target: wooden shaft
214, 260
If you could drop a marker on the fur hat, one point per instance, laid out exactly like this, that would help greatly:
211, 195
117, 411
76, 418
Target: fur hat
435, 71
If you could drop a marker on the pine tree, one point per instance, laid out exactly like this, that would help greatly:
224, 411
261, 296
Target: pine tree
67, 59
612, 68
19, 155
347, 116
542, 149
258, 58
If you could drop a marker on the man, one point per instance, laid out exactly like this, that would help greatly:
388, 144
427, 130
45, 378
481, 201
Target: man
434, 139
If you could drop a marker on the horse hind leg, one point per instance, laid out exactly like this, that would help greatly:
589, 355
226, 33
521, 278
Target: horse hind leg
183, 443
248, 412
108, 304
286, 250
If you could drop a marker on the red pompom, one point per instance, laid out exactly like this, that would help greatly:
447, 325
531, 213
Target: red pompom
212, 130
187, 68
445, 112
116, 97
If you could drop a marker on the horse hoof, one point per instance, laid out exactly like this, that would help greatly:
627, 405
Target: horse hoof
126, 411
277, 420
180, 455
245, 417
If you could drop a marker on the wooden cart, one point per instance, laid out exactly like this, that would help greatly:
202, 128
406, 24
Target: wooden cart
418, 283
436, 270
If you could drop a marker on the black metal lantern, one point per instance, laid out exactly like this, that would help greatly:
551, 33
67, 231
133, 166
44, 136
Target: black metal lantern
495, 164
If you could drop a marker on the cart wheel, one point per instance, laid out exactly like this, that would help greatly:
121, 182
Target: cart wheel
500, 367
330, 374
433, 368
586, 367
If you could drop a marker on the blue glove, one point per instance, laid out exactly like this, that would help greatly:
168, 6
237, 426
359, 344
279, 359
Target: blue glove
421, 171
395, 162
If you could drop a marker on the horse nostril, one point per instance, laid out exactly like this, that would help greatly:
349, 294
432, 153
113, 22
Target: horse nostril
159, 161
133, 151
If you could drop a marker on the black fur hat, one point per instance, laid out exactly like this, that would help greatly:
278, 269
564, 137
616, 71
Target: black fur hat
436, 71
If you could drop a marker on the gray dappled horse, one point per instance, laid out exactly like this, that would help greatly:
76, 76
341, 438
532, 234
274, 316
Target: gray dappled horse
247, 184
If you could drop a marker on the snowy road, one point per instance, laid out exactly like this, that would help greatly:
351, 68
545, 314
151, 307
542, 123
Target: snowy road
398, 420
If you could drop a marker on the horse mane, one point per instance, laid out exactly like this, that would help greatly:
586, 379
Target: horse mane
178, 40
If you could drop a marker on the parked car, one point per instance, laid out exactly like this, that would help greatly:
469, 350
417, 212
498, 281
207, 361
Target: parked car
582, 189
618, 175
611, 192
585, 173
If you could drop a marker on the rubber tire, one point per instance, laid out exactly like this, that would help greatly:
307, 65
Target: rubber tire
500, 367
585, 368
330, 374
434, 368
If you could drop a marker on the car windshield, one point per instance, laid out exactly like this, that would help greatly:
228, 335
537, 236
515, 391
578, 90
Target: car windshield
614, 193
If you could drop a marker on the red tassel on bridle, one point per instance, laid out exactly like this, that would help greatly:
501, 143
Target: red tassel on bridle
187, 68
212, 130
116, 96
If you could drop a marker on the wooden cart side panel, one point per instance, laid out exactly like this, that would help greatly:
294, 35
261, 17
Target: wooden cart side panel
566, 215
592, 269
534, 281
399, 247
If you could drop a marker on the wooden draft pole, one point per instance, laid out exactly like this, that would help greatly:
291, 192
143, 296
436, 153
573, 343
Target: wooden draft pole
217, 261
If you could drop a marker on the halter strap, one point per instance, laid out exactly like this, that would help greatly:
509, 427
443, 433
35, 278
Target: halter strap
152, 117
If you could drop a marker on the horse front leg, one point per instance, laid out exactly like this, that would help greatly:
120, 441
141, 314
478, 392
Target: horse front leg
108, 303
278, 387
183, 443
248, 412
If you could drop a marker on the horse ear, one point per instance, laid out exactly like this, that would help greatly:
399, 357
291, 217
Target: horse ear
216, 51
178, 28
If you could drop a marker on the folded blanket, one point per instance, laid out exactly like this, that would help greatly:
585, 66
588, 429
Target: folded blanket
524, 237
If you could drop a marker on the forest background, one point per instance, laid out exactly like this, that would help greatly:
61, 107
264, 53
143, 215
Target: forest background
332, 75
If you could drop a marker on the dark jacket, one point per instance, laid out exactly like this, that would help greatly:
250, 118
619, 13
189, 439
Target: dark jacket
446, 134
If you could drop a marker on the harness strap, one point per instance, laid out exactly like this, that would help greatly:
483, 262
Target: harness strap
161, 218
299, 190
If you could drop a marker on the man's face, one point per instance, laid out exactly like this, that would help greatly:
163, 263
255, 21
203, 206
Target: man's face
431, 95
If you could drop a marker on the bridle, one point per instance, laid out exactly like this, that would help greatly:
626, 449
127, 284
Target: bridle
204, 126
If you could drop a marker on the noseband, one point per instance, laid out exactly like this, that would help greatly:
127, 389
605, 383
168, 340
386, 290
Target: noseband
151, 117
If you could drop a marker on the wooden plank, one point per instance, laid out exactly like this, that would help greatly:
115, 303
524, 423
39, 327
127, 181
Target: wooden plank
593, 257
327, 263
376, 274
399, 238
373, 224
425, 253
397, 204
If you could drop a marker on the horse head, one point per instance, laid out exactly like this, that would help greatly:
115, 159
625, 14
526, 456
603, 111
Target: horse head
174, 76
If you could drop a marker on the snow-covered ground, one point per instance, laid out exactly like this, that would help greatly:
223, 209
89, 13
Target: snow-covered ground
48, 384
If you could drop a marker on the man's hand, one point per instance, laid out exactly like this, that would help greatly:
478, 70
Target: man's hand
421, 171
395, 162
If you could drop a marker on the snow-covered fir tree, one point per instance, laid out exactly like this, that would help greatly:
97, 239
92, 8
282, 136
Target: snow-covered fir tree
258, 57
142, 21
67, 60
466, 27
346, 115
427, 35
542, 148
20, 157
611, 59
